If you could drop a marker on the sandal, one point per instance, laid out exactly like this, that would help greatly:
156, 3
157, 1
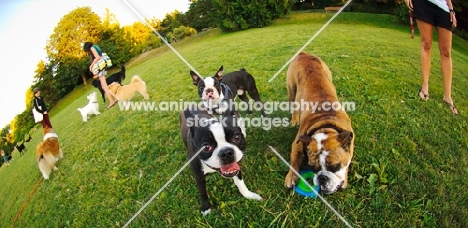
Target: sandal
111, 105
424, 96
452, 108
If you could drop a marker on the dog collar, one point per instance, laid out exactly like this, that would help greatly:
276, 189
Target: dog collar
49, 135
226, 90
214, 108
312, 132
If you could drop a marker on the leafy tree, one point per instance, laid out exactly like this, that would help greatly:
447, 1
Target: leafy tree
65, 45
46, 81
138, 34
461, 7
6, 140
75, 28
21, 125
200, 15
115, 41
183, 32
238, 15
153, 41
170, 22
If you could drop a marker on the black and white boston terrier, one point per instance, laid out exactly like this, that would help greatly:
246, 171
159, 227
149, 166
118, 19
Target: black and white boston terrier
218, 92
214, 145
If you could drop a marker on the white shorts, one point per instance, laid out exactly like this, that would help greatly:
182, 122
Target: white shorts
102, 73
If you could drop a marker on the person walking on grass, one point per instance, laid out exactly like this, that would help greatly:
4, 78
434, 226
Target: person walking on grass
41, 107
6, 160
438, 13
95, 54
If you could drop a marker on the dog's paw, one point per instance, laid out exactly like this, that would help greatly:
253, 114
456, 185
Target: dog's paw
253, 196
295, 119
291, 180
294, 122
205, 212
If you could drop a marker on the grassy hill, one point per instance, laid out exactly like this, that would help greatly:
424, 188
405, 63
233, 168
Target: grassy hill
410, 163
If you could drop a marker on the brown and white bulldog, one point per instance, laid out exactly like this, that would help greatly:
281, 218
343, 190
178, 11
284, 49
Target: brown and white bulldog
325, 135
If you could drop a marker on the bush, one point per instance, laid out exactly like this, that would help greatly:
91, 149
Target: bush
182, 32
402, 12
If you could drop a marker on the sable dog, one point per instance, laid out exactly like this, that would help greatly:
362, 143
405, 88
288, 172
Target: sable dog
125, 92
325, 137
48, 152
115, 77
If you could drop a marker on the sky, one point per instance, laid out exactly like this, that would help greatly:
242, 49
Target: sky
25, 26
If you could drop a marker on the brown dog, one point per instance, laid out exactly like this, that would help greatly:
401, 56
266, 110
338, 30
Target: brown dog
125, 92
325, 135
48, 152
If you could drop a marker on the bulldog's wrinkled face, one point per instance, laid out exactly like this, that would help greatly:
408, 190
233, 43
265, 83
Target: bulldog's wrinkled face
222, 146
209, 89
329, 154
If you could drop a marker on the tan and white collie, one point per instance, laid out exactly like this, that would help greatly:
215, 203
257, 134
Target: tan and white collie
48, 152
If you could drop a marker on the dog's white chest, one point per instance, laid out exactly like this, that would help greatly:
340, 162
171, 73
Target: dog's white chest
207, 169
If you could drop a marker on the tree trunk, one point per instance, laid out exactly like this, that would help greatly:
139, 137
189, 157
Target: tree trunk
84, 79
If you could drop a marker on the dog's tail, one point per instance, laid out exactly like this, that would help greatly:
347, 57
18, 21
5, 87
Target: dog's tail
122, 69
137, 79
45, 162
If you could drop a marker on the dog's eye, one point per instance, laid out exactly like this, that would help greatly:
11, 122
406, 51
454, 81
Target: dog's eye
201, 88
334, 168
237, 137
207, 147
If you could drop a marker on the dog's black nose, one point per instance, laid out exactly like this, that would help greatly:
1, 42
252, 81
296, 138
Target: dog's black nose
209, 90
323, 179
226, 155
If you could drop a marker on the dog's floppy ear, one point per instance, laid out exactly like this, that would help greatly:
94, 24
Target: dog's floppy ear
195, 77
219, 74
345, 138
305, 139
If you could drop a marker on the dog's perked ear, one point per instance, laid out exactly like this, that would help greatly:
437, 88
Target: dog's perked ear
187, 113
195, 77
189, 119
304, 138
345, 138
219, 73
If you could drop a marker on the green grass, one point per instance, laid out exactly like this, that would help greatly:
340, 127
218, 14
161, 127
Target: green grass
409, 168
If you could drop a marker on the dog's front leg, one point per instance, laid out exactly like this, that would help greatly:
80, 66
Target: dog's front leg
243, 188
296, 159
201, 185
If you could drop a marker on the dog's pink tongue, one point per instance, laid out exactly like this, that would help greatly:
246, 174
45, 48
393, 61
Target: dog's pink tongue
230, 168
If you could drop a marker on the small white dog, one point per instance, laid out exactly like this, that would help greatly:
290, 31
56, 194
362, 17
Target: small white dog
91, 108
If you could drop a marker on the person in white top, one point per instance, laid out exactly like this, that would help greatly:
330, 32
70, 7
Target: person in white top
438, 13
